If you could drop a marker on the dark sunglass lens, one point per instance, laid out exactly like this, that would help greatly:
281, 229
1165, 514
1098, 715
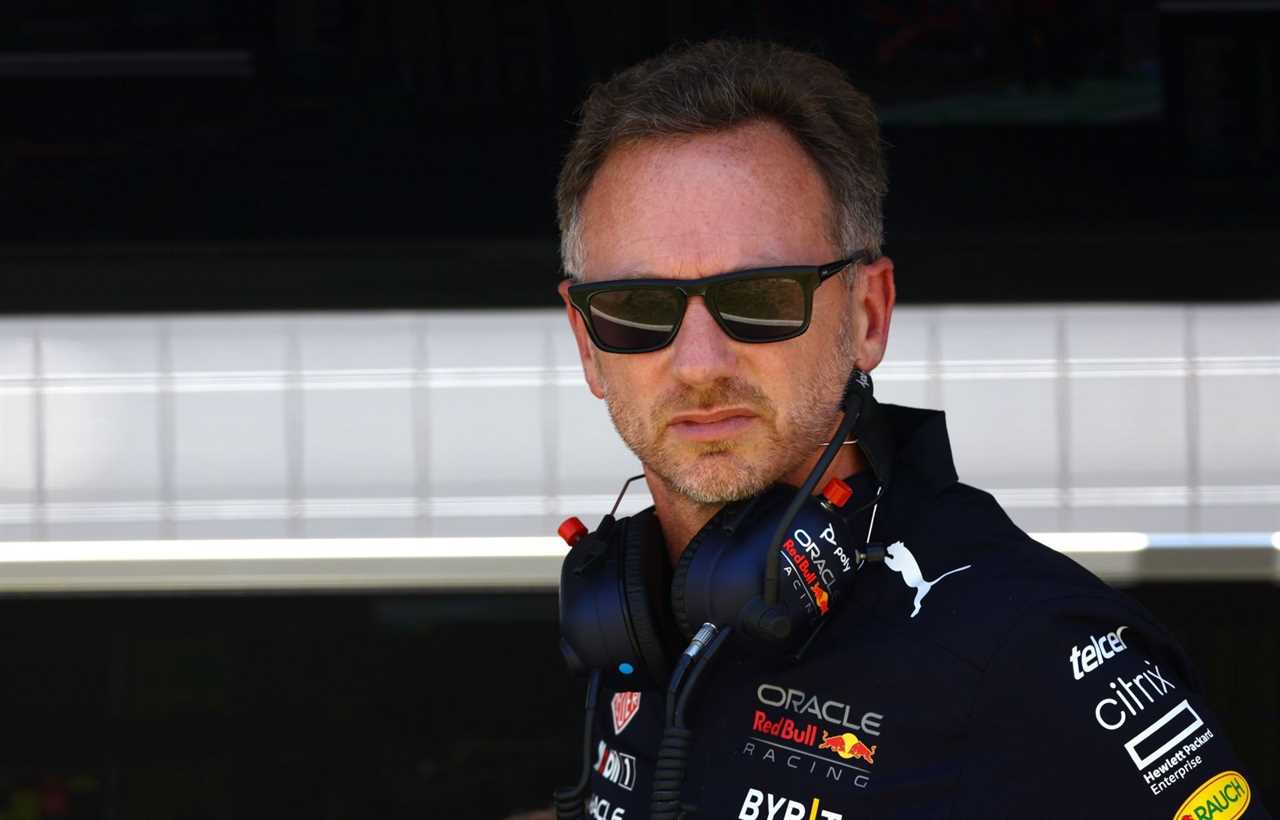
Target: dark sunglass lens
761, 310
635, 319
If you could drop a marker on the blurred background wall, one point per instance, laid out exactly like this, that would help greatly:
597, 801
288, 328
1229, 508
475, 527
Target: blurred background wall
277, 284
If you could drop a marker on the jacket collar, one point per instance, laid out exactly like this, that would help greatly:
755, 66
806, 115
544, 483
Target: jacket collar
922, 447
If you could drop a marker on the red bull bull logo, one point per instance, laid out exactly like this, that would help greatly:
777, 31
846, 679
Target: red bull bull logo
821, 598
848, 746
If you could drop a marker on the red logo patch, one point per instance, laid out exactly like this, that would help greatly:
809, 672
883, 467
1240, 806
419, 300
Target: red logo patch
625, 705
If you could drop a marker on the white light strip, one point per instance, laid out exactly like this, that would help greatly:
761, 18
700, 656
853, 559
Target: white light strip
1174, 495
261, 381
1210, 540
1080, 542
570, 374
276, 549
273, 509
515, 547
528, 563
510, 506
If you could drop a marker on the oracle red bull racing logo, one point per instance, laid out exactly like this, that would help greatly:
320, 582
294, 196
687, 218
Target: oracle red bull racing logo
806, 745
805, 559
848, 746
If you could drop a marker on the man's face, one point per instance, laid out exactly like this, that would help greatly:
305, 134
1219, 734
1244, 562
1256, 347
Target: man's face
716, 419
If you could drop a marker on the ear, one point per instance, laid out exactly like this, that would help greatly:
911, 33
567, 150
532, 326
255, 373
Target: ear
586, 350
875, 295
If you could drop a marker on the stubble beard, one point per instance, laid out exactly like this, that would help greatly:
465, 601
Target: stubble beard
718, 472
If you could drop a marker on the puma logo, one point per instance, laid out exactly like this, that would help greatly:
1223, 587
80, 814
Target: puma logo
899, 559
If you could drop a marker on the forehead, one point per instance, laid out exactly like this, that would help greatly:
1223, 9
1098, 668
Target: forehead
696, 205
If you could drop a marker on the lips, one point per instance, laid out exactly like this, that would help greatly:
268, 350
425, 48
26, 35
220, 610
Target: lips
708, 418
711, 426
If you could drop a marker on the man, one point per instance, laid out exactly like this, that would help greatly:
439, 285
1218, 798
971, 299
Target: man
974, 673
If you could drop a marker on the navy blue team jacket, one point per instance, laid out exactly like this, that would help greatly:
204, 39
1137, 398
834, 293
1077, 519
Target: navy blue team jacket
975, 674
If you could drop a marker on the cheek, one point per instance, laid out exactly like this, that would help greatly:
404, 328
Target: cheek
778, 374
796, 378
626, 379
839, 306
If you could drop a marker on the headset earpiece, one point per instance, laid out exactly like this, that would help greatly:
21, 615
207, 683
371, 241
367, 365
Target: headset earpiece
642, 581
724, 523
613, 615
680, 581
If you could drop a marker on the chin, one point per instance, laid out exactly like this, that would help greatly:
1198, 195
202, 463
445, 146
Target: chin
721, 478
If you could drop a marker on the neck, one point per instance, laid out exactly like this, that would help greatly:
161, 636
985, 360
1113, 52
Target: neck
681, 517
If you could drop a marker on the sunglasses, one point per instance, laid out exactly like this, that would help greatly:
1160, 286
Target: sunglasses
755, 306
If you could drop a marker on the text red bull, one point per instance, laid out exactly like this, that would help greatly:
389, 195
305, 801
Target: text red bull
785, 729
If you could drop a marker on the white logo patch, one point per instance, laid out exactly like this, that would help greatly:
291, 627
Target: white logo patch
899, 559
624, 707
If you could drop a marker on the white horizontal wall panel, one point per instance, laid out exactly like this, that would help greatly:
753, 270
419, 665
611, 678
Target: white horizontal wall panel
18, 431
1156, 420
1003, 429
1244, 383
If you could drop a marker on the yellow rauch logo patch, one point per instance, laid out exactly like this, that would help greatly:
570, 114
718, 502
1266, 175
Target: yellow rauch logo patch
1222, 797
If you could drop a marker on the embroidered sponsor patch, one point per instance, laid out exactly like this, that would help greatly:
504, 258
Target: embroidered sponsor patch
1222, 797
625, 705
792, 730
1099, 650
614, 766
762, 805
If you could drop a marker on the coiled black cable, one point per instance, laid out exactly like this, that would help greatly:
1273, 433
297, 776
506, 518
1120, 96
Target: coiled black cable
677, 741
568, 801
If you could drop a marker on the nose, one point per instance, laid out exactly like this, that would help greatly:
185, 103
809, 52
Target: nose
701, 352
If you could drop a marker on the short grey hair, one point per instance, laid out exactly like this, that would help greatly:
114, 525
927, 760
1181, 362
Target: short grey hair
720, 84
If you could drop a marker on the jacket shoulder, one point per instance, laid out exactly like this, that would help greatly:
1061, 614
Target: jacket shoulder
965, 576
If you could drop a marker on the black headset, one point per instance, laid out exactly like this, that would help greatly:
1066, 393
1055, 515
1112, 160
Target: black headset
626, 615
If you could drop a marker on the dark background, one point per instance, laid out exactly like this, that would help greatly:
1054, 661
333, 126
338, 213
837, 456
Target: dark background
210, 154
397, 706
236, 154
